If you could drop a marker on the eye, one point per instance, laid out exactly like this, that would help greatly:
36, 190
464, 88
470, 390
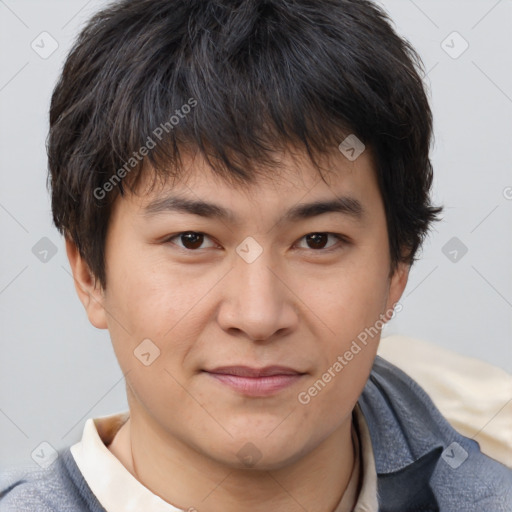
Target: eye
190, 240
319, 241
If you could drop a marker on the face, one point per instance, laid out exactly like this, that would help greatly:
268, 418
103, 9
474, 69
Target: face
253, 304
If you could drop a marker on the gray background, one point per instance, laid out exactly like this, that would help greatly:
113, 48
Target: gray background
56, 370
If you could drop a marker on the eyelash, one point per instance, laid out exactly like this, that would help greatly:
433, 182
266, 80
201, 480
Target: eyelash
341, 239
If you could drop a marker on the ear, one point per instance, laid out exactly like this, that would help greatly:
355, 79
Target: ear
397, 285
89, 292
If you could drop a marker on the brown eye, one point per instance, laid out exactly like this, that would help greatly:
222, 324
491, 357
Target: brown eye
317, 240
191, 240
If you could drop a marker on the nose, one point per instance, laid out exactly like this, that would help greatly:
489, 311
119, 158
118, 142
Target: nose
257, 301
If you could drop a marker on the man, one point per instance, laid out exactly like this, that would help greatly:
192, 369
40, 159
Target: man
243, 186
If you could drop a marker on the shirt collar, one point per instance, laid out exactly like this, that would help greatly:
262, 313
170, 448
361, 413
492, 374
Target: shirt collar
113, 485
408, 436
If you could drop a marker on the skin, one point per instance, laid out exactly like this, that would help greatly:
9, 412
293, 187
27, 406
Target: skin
296, 305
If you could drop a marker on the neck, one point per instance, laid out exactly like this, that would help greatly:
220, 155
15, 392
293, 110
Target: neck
190, 480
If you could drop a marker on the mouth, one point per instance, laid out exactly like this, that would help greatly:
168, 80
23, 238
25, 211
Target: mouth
256, 382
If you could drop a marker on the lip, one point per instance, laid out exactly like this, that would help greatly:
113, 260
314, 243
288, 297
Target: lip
256, 382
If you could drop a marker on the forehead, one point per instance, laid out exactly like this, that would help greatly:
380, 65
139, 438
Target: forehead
293, 175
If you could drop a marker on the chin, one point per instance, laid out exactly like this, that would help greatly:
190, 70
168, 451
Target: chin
258, 452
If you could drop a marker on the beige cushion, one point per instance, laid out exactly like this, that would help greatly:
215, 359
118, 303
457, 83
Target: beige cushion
474, 396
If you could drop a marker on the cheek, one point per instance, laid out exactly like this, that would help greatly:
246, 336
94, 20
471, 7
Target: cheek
149, 293
350, 307
155, 301
350, 298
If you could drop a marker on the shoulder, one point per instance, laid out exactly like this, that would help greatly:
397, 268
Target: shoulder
405, 426
469, 392
54, 489
28, 489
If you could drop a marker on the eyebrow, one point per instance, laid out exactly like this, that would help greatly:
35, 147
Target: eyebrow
343, 204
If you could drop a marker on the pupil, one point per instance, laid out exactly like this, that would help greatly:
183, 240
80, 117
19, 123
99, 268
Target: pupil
192, 240
317, 240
